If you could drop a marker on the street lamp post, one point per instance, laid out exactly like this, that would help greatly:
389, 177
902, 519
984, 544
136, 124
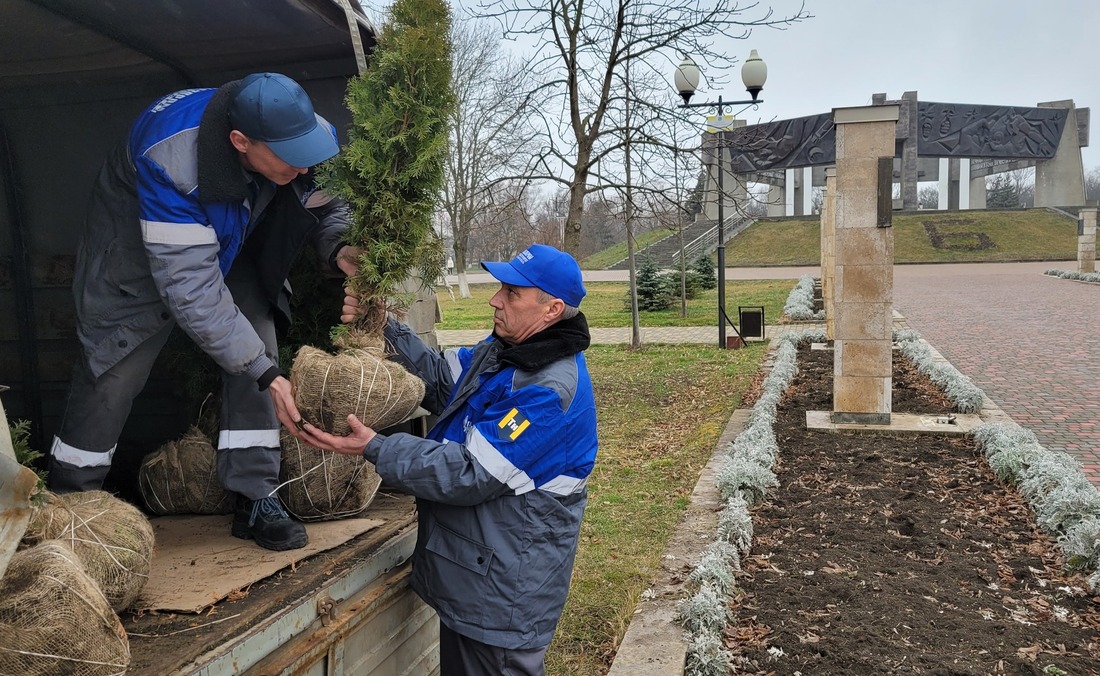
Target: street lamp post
754, 72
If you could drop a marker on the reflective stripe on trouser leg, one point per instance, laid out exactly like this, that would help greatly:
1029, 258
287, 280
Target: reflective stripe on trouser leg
95, 412
248, 444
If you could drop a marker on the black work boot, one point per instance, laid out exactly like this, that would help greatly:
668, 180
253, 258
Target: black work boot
266, 522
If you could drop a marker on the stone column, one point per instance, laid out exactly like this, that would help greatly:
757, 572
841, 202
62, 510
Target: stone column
717, 156
1086, 241
977, 192
828, 252
777, 200
796, 197
908, 121
1060, 181
953, 183
864, 285
942, 187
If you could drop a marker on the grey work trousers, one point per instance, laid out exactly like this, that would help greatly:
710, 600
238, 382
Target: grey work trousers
463, 656
97, 409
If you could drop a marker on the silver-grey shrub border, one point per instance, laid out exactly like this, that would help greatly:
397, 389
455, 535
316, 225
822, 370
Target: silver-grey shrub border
965, 394
800, 301
1065, 503
1091, 277
743, 481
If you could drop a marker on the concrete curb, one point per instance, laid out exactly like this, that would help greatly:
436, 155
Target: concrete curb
654, 644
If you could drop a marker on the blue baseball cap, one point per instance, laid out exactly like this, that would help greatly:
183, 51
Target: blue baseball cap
542, 266
272, 108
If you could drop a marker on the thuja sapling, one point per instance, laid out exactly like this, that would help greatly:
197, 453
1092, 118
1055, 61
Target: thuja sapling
390, 173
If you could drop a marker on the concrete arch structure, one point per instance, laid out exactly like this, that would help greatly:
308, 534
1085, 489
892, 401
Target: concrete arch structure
957, 145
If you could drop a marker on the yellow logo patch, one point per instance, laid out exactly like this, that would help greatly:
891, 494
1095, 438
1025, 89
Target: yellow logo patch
512, 425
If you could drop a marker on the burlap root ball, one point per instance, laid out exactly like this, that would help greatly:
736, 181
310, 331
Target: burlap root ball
316, 485
112, 538
55, 620
328, 387
180, 477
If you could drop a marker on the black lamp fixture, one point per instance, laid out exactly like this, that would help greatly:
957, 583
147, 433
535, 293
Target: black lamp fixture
754, 72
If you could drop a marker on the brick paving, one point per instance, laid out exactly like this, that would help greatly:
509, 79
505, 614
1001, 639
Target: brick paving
1030, 342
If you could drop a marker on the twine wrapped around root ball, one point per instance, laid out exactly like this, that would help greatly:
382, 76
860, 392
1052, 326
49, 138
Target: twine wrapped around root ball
180, 477
357, 380
112, 538
54, 618
316, 485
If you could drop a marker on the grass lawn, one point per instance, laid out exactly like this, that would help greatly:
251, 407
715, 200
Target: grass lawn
614, 254
921, 237
661, 410
604, 306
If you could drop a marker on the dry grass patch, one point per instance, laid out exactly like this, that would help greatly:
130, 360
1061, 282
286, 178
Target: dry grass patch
661, 411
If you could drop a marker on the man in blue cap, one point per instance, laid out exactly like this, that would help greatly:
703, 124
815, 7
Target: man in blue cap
195, 221
501, 479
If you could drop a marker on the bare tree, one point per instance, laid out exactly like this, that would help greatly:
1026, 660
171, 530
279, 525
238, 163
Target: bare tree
505, 229
1092, 185
487, 135
1024, 182
582, 52
928, 197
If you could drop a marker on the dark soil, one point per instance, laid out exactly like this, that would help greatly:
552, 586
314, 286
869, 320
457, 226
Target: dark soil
900, 555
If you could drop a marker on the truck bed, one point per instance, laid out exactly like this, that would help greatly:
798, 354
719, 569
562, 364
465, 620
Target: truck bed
344, 610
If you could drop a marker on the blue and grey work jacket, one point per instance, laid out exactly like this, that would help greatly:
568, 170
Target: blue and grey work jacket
171, 210
500, 480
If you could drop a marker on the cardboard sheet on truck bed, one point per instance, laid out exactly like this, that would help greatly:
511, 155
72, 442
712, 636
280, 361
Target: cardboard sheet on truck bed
196, 562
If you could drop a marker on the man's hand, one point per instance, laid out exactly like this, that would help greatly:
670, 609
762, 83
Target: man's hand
282, 395
351, 444
347, 259
351, 309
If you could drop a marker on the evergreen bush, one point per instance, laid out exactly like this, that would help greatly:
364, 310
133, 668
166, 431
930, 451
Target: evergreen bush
705, 273
654, 292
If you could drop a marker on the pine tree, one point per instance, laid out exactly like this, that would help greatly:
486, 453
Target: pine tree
391, 171
653, 289
704, 270
1001, 193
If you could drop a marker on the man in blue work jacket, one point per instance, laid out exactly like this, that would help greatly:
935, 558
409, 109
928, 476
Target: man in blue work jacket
500, 480
195, 221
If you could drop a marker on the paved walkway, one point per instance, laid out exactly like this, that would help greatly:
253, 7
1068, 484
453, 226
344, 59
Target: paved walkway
1031, 342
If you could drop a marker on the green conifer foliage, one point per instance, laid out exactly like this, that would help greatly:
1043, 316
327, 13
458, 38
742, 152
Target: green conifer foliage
705, 272
392, 169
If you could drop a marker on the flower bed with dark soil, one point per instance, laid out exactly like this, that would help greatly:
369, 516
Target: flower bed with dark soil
884, 554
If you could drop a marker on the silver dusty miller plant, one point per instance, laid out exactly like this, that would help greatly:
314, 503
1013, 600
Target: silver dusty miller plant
744, 480
800, 302
1064, 501
966, 396
1091, 277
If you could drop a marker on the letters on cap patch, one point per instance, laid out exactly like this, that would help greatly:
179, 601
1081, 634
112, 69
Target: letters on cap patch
512, 425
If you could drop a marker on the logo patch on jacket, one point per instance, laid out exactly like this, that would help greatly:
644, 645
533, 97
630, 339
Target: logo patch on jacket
512, 425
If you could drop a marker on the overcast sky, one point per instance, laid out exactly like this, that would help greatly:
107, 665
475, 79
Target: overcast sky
1000, 52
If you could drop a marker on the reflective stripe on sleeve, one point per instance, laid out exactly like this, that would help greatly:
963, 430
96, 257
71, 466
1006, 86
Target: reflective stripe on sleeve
81, 458
230, 439
496, 464
181, 234
564, 485
454, 364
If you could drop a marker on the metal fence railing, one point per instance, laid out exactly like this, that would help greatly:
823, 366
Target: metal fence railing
708, 241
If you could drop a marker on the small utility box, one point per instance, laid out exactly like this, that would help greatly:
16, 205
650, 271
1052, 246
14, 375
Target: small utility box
750, 321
